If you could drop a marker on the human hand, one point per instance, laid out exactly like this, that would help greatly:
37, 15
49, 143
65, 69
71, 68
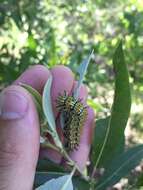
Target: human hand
20, 128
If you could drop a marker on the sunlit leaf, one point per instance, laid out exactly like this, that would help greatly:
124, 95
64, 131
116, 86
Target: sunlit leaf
31, 42
47, 104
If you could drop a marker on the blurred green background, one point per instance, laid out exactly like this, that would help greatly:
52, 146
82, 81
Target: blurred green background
52, 32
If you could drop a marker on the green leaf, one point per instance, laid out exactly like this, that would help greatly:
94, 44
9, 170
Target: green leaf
47, 105
37, 99
61, 183
47, 165
139, 182
48, 111
82, 69
120, 167
42, 177
114, 136
99, 135
31, 42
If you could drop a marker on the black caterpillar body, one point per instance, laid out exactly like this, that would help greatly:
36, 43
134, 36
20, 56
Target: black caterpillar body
75, 114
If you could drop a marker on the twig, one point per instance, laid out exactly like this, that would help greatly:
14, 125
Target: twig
74, 163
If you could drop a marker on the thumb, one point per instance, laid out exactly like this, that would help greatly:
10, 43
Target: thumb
19, 139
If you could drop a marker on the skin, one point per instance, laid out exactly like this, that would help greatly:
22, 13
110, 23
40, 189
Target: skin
20, 128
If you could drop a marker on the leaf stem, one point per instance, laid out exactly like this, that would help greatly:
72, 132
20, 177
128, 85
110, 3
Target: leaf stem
49, 145
104, 143
74, 163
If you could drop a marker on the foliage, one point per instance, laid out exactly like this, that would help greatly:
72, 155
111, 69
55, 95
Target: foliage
116, 123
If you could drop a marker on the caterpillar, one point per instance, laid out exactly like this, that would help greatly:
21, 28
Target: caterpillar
75, 114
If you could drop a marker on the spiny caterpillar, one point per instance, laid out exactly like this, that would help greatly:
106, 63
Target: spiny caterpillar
75, 114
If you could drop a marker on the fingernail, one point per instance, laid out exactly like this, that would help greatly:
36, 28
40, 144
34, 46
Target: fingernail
13, 105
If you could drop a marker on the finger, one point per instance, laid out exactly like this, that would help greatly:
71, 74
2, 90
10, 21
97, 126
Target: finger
63, 80
80, 156
36, 77
19, 139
